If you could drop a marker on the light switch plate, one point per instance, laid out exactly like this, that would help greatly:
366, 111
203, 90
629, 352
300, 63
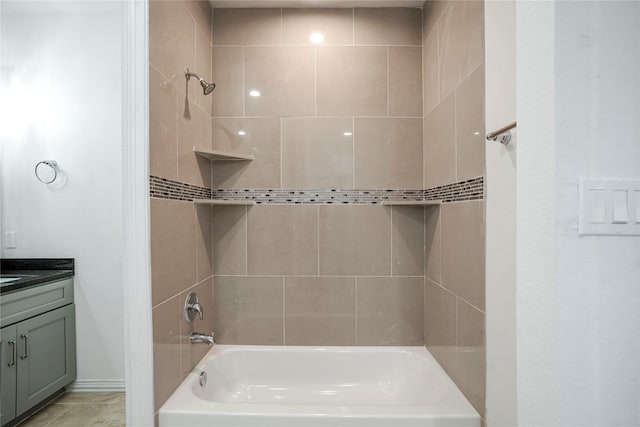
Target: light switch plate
10, 240
609, 207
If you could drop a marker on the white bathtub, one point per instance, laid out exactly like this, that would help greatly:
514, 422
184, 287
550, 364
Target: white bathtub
264, 386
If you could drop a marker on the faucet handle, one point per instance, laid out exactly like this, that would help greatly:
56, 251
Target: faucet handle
192, 307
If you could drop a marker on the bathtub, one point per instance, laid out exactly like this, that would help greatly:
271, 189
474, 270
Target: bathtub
251, 386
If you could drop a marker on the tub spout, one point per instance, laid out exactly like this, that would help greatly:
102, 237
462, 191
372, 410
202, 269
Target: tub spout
197, 337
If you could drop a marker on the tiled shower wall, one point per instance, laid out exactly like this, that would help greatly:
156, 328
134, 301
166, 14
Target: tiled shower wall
344, 114
347, 114
179, 119
453, 99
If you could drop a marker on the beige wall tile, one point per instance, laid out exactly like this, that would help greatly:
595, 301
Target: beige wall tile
246, 26
470, 132
439, 316
405, 81
439, 144
407, 227
431, 12
282, 239
203, 69
316, 153
227, 71
336, 25
463, 250
431, 79
284, 76
440, 325
248, 310
432, 239
355, 240
388, 153
194, 130
204, 244
390, 310
163, 128
173, 248
470, 373
320, 310
351, 81
166, 350
388, 26
261, 139
229, 240
200, 10
192, 353
460, 43
171, 38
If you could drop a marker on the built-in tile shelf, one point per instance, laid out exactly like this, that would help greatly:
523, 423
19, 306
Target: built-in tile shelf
221, 155
411, 203
218, 202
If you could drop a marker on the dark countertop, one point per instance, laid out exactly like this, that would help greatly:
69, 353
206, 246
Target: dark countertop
32, 272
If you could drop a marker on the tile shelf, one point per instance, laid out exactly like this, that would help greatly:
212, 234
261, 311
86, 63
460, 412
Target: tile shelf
412, 203
221, 155
218, 202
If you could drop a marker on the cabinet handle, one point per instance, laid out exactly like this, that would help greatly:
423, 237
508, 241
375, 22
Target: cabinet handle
14, 353
26, 346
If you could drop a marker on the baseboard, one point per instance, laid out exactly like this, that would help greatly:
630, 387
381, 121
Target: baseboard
96, 386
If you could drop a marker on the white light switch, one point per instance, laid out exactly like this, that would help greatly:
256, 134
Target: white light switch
620, 207
598, 206
609, 207
10, 240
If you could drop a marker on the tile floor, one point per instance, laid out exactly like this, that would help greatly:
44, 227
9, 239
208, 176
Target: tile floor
81, 410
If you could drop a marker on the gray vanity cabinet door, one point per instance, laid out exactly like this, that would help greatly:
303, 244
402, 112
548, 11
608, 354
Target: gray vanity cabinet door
46, 356
8, 374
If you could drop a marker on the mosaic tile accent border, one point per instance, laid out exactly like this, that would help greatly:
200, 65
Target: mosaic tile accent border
163, 188
472, 189
316, 196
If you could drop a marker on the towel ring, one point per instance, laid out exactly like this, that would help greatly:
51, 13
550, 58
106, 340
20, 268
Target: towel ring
51, 164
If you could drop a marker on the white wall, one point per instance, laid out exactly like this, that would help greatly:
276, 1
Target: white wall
578, 298
61, 99
500, 109
598, 278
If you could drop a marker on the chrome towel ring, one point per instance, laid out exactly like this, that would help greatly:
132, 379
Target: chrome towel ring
41, 175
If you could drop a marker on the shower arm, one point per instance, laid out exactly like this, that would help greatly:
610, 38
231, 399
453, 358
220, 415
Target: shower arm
188, 74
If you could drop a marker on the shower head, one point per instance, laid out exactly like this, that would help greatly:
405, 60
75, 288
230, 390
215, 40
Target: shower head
207, 87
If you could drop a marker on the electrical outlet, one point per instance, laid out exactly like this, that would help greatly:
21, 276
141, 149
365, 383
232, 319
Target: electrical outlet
10, 240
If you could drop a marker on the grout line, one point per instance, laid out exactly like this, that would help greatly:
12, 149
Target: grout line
246, 240
320, 116
356, 312
281, 27
195, 241
391, 241
243, 86
440, 227
281, 149
455, 129
183, 291
353, 150
284, 314
178, 115
315, 82
353, 26
388, 97
307, 276
312, 45
318, 237
180, 334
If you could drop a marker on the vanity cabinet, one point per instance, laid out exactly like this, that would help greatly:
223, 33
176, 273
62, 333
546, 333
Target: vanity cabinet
38, 356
